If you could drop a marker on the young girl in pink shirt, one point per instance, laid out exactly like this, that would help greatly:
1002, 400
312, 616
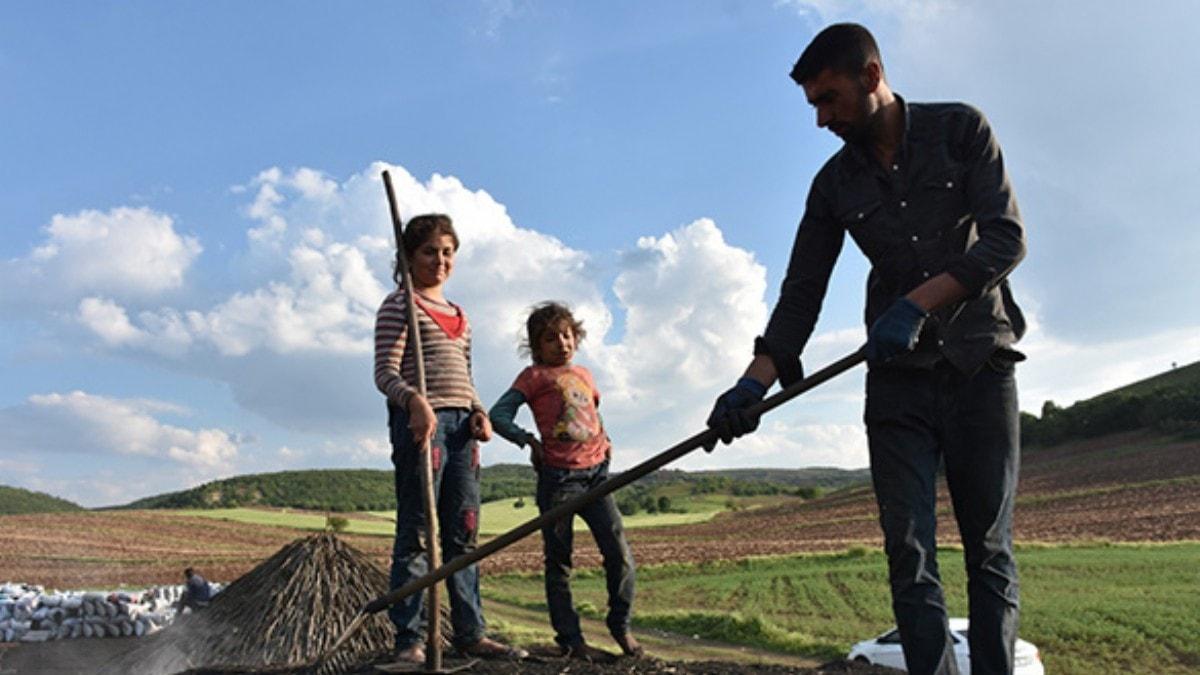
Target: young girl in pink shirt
571, 457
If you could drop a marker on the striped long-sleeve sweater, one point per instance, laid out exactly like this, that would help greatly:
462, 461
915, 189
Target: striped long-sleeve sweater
448, 382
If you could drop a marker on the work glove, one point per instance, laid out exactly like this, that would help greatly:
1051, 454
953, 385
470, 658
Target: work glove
730, 417
895, 332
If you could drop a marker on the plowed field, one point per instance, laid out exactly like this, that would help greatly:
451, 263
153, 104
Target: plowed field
1130, 487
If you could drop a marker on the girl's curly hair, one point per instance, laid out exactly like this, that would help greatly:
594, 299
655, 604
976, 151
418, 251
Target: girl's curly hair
543, 316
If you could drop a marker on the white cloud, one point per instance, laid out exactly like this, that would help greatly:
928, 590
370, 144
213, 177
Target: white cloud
103, 431
297, 349
91, 423
125, 252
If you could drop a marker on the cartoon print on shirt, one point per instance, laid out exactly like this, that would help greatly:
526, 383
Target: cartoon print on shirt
578, 421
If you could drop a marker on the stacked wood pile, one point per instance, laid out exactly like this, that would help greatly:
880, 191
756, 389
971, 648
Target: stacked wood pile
282, 614
31, 614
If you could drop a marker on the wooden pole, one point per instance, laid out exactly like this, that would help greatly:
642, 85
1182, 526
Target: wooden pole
433, 644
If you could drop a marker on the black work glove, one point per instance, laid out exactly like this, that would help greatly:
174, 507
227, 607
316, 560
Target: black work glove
895, 332
730, 417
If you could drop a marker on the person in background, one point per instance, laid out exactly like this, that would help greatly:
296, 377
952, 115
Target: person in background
922, 190
571, 457
196, 591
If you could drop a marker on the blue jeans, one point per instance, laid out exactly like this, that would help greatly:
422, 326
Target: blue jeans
554, 487
917, 420
456, 491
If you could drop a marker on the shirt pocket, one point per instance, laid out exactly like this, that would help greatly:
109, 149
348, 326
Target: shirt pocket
865, 222
941, 202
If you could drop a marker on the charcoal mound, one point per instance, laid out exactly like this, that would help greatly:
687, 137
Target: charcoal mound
279, 616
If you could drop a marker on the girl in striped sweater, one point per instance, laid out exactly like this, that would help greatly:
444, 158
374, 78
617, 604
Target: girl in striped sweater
452, 418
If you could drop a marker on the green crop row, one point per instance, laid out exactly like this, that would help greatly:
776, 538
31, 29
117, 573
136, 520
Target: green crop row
1094, 609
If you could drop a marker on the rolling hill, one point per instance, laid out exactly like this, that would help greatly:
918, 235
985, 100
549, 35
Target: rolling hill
17, 500
373, 490
1167, 402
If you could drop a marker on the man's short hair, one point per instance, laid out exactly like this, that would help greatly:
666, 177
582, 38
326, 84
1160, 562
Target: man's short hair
843, 47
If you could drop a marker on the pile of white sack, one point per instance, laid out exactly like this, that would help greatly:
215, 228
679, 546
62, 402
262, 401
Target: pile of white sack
30, 614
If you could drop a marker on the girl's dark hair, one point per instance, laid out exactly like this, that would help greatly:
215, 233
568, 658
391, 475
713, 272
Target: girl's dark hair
418, 231
543, 316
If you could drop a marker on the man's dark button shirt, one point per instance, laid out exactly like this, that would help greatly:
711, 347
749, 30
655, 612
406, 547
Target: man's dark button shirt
944, 204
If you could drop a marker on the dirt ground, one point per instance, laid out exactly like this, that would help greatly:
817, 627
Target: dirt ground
72, 657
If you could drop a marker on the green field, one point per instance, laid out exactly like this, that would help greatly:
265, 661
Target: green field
300, 520
1090, 609
501, 516
496, 517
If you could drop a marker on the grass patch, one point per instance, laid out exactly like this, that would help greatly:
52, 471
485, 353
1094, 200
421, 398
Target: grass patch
737, 628
300, 520
500, 516
1094, 609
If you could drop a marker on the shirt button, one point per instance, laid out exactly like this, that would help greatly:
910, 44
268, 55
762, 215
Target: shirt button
941, 343
915, 238
903, 203
860, 215
925, 273
949, 183
895, 167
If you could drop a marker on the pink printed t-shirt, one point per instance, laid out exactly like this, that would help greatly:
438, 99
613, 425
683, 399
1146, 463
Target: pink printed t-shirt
564, 401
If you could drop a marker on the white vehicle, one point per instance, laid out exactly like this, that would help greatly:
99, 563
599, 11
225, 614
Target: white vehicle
885, 650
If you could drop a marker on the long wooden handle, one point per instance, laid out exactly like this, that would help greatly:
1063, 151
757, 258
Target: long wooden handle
612, 484
433, 646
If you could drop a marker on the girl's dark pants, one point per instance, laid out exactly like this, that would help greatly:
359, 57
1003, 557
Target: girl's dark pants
456, 491
916, 421
554, 487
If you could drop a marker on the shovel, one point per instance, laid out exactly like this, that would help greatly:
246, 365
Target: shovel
706, 437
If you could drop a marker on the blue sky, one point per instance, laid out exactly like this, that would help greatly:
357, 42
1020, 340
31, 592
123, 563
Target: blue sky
195, 237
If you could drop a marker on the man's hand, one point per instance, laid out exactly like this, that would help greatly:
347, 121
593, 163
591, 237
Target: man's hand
536, 452
481, 426
730, 417
895, 332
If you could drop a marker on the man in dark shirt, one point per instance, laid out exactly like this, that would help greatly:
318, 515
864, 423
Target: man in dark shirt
922, 190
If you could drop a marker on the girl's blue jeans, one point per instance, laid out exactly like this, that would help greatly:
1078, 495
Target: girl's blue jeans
456, 492
554, 487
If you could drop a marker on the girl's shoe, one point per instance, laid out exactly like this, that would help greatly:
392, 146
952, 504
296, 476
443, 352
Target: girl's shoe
629, 644
488, 648
413, 654
585, 652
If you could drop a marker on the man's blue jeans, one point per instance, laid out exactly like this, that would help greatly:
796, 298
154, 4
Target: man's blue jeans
556, 486
917, 420
456, 491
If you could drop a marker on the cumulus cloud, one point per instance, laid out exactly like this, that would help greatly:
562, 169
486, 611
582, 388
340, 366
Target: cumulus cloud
132, 253
297, 348
86, 423
95, 427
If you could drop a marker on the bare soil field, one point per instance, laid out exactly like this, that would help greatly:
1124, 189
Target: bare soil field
1129, 487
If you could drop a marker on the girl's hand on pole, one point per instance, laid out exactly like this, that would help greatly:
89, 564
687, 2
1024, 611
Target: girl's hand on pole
536, 452
421, 420
481, 426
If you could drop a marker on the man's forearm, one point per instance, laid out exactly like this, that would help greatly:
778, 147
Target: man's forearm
762, 369
938, 292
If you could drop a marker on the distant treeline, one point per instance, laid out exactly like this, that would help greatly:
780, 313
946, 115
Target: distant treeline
1168, 402
14, 501
349, 490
